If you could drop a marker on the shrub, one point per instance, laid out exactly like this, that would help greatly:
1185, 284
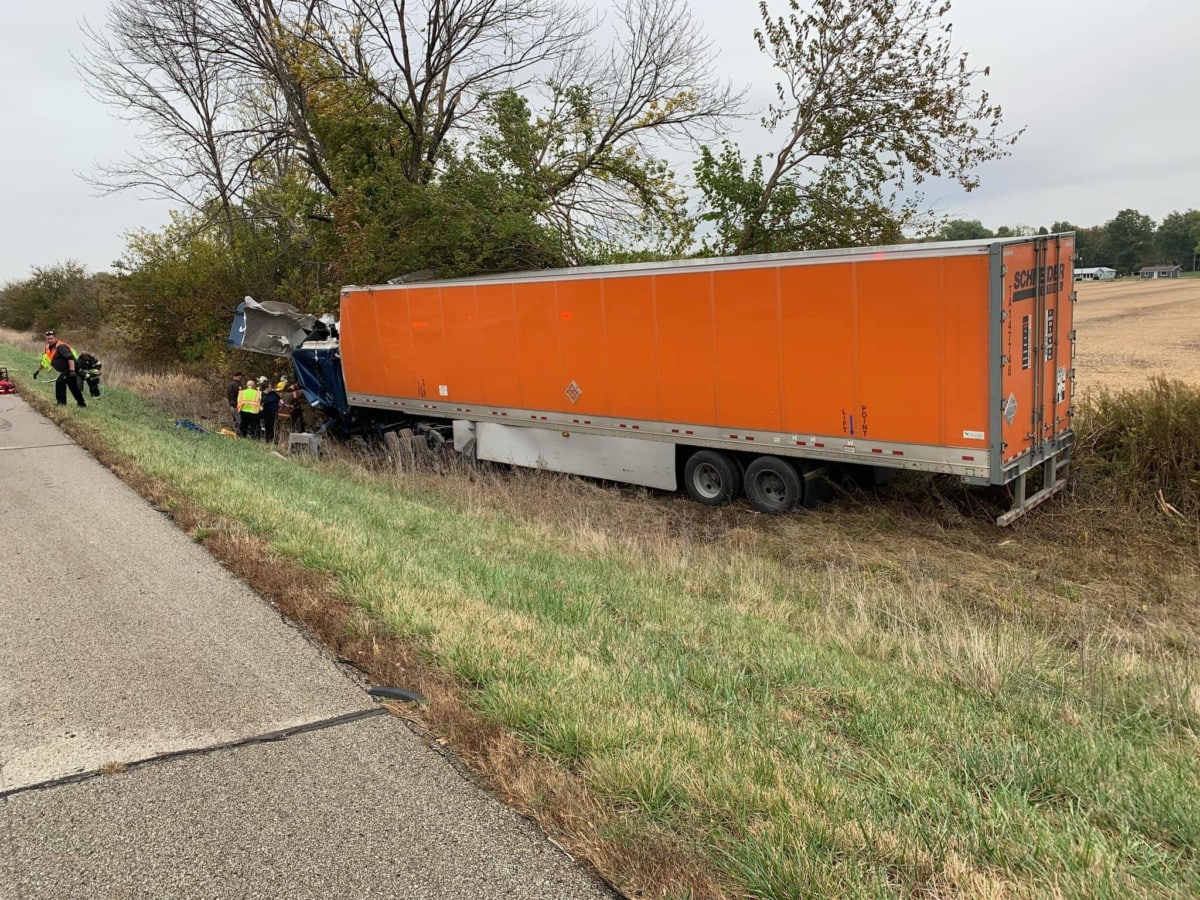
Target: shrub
1134, 444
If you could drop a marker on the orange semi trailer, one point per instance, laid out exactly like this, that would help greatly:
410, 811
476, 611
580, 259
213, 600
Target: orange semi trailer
751, 374
756, 374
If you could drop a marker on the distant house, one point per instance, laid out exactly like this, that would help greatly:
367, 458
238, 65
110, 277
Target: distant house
1160, 271
1098, 273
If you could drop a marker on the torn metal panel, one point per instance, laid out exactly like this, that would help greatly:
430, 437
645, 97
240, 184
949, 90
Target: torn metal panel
270, 327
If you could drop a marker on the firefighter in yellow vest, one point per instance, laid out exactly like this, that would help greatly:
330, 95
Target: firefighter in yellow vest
249, 405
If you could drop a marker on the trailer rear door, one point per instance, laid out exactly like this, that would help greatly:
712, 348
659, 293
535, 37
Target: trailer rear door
1036, 347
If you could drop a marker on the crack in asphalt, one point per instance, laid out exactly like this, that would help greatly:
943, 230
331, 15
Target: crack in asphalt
266, 738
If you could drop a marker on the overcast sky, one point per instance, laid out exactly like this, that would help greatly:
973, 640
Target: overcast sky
1106, 91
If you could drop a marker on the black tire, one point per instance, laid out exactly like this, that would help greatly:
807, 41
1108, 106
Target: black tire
711, 477
773, 486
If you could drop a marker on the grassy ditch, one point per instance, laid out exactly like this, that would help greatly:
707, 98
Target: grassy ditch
884, 697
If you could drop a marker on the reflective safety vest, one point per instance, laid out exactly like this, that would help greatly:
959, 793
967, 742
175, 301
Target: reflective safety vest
250, 401
49, 352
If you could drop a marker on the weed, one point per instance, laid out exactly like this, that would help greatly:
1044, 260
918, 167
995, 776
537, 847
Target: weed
1135, 444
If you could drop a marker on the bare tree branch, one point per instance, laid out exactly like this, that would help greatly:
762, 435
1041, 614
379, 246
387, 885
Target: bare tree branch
434, 63
159, 66
606, 118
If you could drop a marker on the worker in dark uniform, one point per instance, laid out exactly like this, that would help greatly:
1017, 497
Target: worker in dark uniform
88, 369
270, 409
60, 357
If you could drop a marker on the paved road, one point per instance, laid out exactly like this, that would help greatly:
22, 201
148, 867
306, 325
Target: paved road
125, 647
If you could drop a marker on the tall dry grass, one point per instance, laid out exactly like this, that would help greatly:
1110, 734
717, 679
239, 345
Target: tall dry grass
1132, 445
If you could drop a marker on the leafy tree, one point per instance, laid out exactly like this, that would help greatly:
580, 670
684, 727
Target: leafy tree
1093, 248
1174, 242
62, 295
872, 98
434, 64
1130, 237
589, 143
178, 290
599, 193
962, 230
1015, 231
828, 213
468, 221
467, 218
233, 95
178, 287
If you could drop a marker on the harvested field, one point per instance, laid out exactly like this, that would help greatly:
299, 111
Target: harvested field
1132, 329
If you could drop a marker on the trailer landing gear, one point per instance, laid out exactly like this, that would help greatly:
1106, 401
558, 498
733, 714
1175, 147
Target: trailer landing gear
1056, 473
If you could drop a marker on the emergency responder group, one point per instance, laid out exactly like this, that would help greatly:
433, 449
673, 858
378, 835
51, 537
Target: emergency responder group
72, 368
258, 406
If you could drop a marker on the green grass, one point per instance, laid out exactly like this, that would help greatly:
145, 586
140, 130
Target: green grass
841, 730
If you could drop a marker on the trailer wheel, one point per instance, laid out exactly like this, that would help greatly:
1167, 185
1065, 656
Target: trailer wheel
435, 440
711, 477
773, 486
